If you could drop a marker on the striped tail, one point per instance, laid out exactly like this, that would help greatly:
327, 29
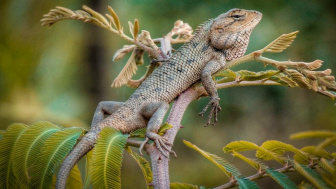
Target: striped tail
81, 148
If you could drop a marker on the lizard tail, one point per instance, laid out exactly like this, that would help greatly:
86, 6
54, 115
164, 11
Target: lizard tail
81, 148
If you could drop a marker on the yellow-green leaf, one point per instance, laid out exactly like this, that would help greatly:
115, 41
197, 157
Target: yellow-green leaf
10, 137
254, 163
176, 185
311, 175
106, 160
74, 179
229, 169
164, 128
313, 134
28, 148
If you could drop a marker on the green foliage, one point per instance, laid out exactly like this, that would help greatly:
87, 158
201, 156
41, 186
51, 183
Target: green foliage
280, 178
107, 155
315, 157
74, 179
229, 169
10, 137
245, 183
144, 166
54, 150
30, 154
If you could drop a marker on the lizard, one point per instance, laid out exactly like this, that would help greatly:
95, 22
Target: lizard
214, 43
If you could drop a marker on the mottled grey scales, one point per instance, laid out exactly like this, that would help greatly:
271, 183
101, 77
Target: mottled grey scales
215, 41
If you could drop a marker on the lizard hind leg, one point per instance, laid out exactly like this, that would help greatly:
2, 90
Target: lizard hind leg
156, 113
105, 108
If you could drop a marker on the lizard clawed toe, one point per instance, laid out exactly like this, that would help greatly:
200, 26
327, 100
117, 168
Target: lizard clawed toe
215, 108
161, 144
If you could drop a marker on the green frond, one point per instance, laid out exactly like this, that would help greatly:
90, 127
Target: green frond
55, 148
281, 43
107, 158
247, 75
176, 185
245, 145
164, 128
140, 133
280, 148
327, 165
327, 142
245, 183
74, 179
314, 151
10, 137
88, 161
229, 169
254, 163
144, 166
311, 176
281, 179
28, 148
313, 134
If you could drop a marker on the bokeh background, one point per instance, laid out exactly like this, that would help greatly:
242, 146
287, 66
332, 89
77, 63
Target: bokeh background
60, 74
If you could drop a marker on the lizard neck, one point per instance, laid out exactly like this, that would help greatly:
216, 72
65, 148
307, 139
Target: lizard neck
239, 46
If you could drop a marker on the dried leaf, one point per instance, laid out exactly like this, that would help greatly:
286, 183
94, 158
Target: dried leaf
96, 15
115, 18
281, 43
126, 73
136, 29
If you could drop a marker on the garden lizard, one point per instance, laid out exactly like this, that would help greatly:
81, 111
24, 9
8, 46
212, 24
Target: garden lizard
215, 42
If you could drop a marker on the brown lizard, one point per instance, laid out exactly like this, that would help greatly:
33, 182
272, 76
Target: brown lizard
215, 42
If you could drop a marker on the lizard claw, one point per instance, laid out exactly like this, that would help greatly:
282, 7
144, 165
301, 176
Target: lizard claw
215, 108
161, 143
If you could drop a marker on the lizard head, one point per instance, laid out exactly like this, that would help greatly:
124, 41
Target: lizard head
231, 31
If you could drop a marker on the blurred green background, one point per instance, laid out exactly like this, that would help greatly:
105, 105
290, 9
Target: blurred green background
60, 74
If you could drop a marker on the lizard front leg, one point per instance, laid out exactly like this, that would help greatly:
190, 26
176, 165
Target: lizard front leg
156, 112
209, 85
105, 108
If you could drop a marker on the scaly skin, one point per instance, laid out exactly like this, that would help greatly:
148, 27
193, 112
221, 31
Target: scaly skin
215, 42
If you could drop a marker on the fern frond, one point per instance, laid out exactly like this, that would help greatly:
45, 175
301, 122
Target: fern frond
313, 134
311, 175
144, 166
127, 72
10, 137
107, 158
229, 169
177, 185
74, 179
254, 163
28, 148
52, 153
281, 179
245, 183
281, 43
245, 145
280, 148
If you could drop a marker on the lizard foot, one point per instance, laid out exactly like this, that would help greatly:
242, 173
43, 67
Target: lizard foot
161, 143
215, 108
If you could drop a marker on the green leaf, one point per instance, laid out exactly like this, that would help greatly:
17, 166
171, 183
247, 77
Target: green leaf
311, 175
327, 165
144, 166
10, 137
281, 179
107, 158
229, 169
164, 128
88, 161
28, 148
254, 163
313, 134
245, 183
252, 76
314, 152
245, 145
176, 185
52, 153
280, 148
140, 133
74, 179
327, 142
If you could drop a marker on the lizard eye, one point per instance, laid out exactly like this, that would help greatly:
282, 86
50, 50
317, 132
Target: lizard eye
220, 30
237, 16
